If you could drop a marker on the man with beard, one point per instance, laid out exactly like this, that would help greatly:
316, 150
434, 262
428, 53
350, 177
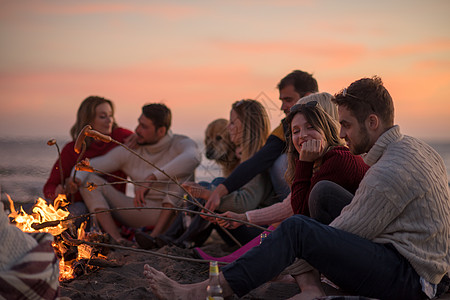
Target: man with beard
390, 242
176, 155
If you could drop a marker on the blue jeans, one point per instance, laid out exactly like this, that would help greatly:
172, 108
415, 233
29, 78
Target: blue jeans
355, 264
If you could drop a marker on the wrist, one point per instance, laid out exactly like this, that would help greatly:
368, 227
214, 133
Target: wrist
246, 217
221, 190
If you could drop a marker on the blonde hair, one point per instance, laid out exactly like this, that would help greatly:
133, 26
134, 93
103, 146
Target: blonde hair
255, 126
319, 119
325, 101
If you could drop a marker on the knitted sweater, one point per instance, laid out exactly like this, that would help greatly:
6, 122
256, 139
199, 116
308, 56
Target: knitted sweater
69, 158
338, 165
177, 155
15, 243
403, 200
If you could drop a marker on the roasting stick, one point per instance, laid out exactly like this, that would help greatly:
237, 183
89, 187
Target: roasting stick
76, 242
88, 131
38, 226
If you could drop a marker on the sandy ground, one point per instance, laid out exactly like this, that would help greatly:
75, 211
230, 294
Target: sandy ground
127, 281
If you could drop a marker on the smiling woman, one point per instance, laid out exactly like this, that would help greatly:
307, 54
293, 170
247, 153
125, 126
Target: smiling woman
99, 113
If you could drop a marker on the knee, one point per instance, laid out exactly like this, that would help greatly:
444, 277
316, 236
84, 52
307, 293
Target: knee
292, 224
318, 192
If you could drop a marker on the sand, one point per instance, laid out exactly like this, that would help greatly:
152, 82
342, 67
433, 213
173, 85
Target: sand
127, 280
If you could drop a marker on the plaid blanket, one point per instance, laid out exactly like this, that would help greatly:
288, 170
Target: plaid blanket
35, 275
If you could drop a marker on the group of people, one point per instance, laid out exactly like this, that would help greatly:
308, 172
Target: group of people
346, 194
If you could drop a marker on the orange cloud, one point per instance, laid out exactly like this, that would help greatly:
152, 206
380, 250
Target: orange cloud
329, 53
431, 46
196, 95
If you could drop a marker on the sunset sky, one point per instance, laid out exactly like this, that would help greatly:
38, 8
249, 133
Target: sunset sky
198, 57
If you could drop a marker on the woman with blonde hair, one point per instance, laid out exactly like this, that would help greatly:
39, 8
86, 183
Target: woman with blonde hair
248, 127
315, 153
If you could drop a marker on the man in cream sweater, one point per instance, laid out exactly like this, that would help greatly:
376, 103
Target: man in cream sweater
176, 155
390, 242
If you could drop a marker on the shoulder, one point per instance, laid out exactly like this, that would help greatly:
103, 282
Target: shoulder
342, 155
279, 132
338, 152
68, 148
180, 141
120, 133
182, 138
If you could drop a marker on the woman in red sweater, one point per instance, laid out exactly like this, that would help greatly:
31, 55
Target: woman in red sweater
315, 153
99, 113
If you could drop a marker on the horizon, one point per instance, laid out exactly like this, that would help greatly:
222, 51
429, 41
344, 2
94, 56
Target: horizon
198, 58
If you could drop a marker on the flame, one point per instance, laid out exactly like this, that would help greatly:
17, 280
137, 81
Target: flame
65, 271
42, 212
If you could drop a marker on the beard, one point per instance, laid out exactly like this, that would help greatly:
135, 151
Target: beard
364, 144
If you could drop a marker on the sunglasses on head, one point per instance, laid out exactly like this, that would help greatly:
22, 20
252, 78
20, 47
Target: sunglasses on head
346, 94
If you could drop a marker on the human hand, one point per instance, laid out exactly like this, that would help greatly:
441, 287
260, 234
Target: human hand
231, 224
142, 190
214, 201
59, 190
312, 150
72, 185
195, 189
131, 141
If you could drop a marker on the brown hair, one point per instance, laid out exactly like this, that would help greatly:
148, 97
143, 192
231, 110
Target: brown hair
366, 96
303, 82
320, 121
160, 115
86, 115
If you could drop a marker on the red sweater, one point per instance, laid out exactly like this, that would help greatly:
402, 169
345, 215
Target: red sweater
338, 165
69, 158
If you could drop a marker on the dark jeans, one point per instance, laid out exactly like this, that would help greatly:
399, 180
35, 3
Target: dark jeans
326, 201
242, 234
355, 264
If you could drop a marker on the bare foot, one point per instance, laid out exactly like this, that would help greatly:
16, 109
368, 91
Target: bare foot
165, 288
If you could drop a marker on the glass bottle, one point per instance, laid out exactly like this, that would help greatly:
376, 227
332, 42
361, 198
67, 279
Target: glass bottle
262, 237
214, 290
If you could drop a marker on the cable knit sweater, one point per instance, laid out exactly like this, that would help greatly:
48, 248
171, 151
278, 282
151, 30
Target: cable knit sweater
338, 165
175, 154
403, 200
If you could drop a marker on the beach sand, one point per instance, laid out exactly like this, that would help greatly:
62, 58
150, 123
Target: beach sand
127, 280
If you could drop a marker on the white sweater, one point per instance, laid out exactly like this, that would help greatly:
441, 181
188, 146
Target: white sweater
177, 155
403, 200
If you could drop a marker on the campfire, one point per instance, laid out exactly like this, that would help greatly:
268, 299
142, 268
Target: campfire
75, 258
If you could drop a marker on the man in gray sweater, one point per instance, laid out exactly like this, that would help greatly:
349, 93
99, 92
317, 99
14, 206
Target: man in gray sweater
390, 242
